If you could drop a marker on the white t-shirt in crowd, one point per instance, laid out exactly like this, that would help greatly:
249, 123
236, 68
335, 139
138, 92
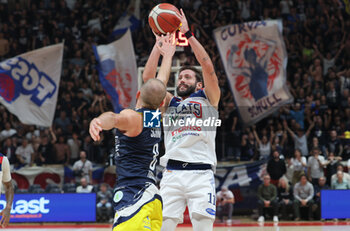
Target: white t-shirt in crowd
316, 169
298, 165
25, 153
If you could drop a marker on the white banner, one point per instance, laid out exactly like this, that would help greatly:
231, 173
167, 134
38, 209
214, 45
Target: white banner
29, 84
118, 71
255, 60
26, 176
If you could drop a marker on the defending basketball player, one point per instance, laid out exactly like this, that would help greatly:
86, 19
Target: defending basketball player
188, 179
137, 203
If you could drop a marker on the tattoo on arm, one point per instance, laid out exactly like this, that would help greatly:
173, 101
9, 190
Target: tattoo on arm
205, 59
213, 73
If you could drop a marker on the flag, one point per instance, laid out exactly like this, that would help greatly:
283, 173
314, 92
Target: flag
118, 72
129, 19
255, 60
29, 84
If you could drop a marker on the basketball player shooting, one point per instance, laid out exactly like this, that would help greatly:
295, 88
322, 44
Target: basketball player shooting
137, 202
190, 158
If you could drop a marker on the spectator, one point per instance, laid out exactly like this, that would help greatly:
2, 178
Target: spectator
334, 145
264, 145
74, 145
285, 197
315, 165
46, 152
316, 144
62, 121
340, 182
290, 169
7, 132
10, 151
4, 47
104, 205
346, 176
267, 198
225, 201
248, 147
25, 153
298, 115
84, 187
62, 151
303, 193
300, 140
83, 168
276, 168
299, 164
332, 165
317, 198
233, 136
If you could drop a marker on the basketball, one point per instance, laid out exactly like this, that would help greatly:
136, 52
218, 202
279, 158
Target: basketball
163, 19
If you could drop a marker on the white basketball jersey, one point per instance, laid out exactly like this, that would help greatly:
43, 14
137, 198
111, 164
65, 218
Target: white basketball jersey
5, 175
189, 130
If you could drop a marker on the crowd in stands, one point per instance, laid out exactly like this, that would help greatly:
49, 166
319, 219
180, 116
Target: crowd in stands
306, 137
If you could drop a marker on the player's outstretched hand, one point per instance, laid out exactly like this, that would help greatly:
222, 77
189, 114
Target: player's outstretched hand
156, 36
95, 129
166, 44
184, 25
5, 217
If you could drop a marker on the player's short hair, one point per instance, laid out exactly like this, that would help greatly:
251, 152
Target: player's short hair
152, 93
198, 73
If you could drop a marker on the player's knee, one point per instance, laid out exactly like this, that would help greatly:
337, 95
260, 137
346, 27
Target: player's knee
169, 224
202, 223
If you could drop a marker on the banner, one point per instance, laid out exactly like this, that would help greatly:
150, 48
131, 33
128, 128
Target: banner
255, 60
335, 204
118, 71
243, 180
130, 19
29, 84
26, 176
73, 207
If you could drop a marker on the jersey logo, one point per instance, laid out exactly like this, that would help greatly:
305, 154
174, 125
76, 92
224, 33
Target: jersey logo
118, 196
211, 211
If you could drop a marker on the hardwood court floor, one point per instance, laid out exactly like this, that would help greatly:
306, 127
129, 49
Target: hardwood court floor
253, 226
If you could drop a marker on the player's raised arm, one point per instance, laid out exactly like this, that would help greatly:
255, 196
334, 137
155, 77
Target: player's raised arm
152, 63
127, 120
166, 47
212, 89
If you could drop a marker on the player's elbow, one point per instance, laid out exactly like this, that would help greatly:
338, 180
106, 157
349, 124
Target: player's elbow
145, 78
207, 65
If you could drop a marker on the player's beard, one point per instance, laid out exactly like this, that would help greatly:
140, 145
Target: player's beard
188, 91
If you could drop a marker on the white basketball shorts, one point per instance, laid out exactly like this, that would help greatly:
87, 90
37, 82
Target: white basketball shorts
192, 188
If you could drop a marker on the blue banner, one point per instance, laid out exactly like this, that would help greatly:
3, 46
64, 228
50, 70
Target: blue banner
68, 207
335, 204
243, 180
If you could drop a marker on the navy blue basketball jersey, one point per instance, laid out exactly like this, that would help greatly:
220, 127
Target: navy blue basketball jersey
136, 157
